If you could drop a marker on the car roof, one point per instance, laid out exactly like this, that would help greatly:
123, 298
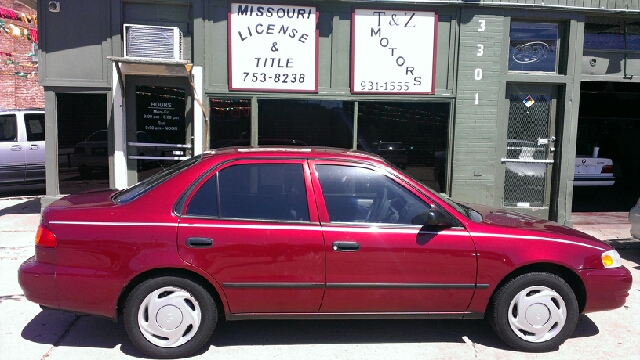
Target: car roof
316, 152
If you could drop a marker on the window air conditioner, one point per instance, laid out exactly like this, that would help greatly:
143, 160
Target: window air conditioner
152, 42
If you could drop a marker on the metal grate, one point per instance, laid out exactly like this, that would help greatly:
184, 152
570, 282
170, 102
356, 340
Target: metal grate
526, 171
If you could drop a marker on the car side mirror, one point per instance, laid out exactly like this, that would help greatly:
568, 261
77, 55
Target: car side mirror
433, 217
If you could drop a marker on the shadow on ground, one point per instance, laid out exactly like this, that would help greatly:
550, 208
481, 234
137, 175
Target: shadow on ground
10, 191
631, 255
30, 206
622, 196
91, 331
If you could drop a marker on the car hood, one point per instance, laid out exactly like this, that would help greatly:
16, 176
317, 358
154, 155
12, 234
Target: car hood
530, 225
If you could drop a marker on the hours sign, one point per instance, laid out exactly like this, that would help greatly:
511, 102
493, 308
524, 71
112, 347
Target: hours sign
273, 48
393, 51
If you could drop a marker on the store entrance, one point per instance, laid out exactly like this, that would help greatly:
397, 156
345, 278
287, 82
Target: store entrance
159, 124
608, 132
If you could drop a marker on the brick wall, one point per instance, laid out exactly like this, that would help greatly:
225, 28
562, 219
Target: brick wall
17, 92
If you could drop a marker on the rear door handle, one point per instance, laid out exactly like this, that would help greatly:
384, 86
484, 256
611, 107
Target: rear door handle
34, 147
199, 243
346, 246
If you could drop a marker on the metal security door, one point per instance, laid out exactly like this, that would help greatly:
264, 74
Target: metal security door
530, 148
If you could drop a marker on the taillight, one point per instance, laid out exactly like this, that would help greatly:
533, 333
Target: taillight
607, 169
45, 237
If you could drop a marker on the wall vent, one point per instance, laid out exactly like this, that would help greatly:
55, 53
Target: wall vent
152, 42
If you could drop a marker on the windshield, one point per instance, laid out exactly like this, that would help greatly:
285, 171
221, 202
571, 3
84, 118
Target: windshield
149, 183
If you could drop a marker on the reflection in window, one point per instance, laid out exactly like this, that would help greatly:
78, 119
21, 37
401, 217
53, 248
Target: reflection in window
306, 122
533, 46
354, 194
264, 192
604, 35
411, 135
83, 158
230, 122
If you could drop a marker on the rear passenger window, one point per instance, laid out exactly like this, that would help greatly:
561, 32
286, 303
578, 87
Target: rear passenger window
254, 191
35, 126
8, 128
205, 200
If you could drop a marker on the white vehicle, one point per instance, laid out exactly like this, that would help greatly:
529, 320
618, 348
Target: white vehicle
21, 146
634, 219
593, 171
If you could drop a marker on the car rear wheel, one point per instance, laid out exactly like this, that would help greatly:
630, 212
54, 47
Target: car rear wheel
169, 317
535, 312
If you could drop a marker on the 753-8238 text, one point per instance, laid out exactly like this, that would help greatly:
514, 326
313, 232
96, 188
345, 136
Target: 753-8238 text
277, 78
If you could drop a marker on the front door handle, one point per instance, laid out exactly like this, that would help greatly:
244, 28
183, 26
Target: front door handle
16, 148
346, 246
199, 243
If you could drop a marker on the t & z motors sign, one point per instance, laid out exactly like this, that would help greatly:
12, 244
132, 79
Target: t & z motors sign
273, 48
393, 51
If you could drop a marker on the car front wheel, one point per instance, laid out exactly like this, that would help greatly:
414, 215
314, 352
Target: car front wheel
169, 317
534, 312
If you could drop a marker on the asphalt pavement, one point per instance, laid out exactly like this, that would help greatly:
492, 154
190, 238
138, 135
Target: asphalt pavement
27, 332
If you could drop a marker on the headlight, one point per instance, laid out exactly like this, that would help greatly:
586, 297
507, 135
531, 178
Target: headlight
611, 259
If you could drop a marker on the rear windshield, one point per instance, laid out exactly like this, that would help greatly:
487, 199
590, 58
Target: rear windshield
151, 182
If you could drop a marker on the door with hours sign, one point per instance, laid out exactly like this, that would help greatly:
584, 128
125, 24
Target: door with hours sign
530, 149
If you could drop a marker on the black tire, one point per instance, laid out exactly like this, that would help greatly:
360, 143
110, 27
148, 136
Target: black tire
190, 332
546, 297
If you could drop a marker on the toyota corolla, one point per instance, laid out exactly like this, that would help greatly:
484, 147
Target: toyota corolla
310, 233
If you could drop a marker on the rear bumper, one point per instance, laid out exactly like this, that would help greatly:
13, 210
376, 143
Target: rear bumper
607, 289
593, 180
38, 281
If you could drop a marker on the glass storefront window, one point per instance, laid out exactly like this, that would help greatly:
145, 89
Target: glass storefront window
533, 47
604, 34
160, 122
633, 36
411, 135
230, 122
305, 122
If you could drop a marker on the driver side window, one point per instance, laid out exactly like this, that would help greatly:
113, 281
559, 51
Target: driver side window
355, 194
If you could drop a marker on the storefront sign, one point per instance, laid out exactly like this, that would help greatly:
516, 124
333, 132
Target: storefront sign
161, 117
393, 51
273, 48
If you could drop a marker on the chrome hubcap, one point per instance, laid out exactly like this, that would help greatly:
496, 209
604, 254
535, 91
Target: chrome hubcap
537, 314
169, 317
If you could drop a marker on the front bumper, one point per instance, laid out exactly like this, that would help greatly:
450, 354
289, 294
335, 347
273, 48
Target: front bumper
606, 289
38, 281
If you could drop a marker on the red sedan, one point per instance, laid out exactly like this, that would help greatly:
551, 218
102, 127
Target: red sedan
310, 233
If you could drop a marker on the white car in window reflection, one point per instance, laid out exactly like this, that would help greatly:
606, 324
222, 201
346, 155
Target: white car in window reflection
588, 171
